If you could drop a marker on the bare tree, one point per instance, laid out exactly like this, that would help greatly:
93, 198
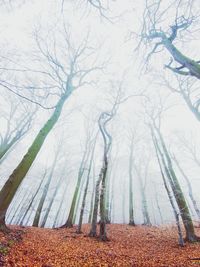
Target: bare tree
104, 118
46, 187
176, 214
166, 25
101, 6
155, 31
155, 125
189, 146
130, 173
30, 205
142, 178
86, 186
77, 191
15, 122
67, 75
100, 190
191, 195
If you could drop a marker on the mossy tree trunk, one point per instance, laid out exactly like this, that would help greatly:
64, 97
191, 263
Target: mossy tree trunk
190, 191
176, 214
177, 191
9, 189
81, 171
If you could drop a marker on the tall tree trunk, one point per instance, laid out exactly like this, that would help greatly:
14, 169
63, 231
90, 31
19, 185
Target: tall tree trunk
86, 189
107, 199
158, 206
189, 188
19, 207
144, 205
92, 197
71, 216
9, 189
131, 212
44, 195
78, 200
93, 230
102, 230
60, 206
144, 200
177, 191
123, 204
176, 214
31, 203
44, 220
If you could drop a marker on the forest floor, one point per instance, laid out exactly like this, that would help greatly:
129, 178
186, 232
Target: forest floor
128, 246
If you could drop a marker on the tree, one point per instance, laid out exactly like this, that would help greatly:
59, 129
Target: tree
176, 214
17, 122
30, 205
100, 189
191, 195
130, 173
171, 176
158, 205
67, 74
153, 31
180, 15
49, 178
81, 172
142, 184
86, 186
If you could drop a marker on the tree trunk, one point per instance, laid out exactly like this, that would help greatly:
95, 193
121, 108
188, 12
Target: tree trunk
71, 216
9, 189
60, 206
92, 198
158, 206
93, 230
31, 203
176, 215
102, 231
131, 212
19, 207
86, 190
177, 191
44, 220
43, 197
189, 189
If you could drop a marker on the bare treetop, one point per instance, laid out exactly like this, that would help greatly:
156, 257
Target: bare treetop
59, 66
164, 24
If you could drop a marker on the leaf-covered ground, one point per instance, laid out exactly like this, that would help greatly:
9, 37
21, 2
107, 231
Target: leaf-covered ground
128, 246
